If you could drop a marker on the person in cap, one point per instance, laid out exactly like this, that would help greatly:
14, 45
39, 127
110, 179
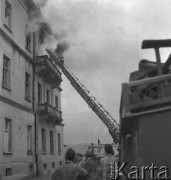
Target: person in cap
69, 171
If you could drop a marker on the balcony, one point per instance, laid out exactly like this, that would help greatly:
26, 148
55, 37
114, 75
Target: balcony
49, 71
146, 96
47, 112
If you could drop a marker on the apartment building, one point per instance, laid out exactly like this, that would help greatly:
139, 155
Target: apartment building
31, 128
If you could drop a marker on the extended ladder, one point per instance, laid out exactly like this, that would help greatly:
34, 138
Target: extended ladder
93, 103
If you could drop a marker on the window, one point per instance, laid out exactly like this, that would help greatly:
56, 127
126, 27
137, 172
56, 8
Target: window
28, 41
8, 136
47, 96
53, 164
8, 172
27, 86
51, 143
56, 102
29, 139
31, 168
45, 166
39, 89
59, 144
8, 14
43, 140
6, 72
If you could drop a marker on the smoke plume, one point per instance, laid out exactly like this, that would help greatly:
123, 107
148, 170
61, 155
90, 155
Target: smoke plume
35, 20
62, 46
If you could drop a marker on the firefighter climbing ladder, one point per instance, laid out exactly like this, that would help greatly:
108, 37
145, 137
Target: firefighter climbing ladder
93, 103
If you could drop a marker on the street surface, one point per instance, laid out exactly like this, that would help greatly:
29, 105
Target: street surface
26, 178
41, 178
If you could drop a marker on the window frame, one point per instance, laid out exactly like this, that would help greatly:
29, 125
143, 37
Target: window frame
6, 72
43, 138
47, 96
59, 144
28, 41
8, 17
45, 166
53, 164
39, 93
51, 142
8, 171
27, 86
29, 139
8, 136
56, 102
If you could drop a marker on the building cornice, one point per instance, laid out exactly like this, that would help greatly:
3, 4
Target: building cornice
15, 45
15, 104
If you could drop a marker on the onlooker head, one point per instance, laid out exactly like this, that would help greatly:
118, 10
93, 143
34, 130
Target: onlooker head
88, 154
70, 154
83, 158
78, 157
109, 149
69, 170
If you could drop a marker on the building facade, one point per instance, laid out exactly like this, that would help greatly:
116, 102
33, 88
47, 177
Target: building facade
31, 128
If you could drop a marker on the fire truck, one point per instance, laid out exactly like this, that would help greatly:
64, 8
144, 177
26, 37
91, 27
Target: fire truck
145, 118
98, 150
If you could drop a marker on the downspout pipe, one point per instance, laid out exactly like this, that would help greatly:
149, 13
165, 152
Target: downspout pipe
34, 108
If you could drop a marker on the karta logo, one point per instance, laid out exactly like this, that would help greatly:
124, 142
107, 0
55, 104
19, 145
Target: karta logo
117, 170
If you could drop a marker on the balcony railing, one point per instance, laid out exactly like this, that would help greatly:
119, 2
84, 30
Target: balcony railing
48, 112
146, 95
48, 69
49, 62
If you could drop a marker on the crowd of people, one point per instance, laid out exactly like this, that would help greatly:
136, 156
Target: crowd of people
80, 167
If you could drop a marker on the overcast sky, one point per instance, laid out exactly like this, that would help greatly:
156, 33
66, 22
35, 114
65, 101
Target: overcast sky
104, 38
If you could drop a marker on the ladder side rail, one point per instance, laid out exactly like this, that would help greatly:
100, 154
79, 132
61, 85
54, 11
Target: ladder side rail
88, 100
91, 103
70, 74
84, 92
74, 83
105, 119
97, 110
97, 102
74, 79
94, 107
100, 106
